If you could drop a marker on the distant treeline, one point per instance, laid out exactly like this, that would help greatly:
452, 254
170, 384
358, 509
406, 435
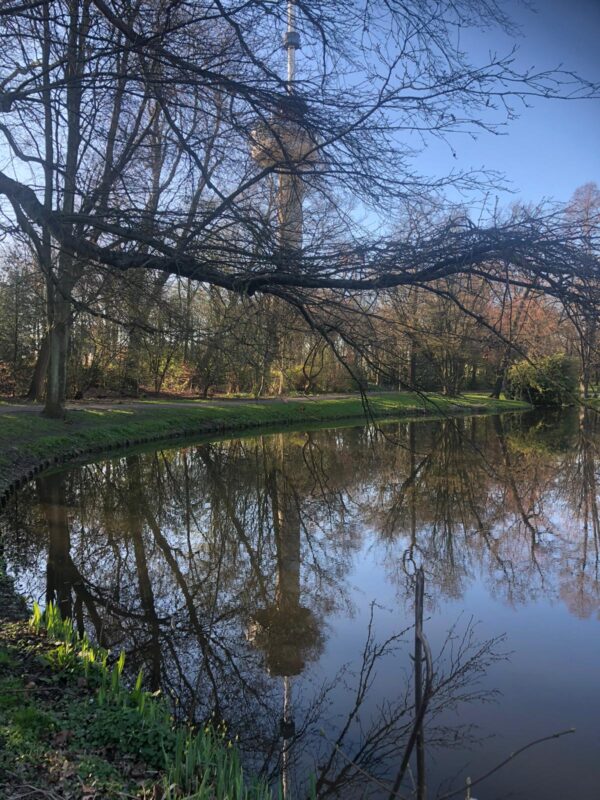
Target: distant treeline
143, 333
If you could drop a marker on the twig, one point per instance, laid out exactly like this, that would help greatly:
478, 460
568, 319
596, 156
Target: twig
361, 770
32, 790
34, 689
506, 760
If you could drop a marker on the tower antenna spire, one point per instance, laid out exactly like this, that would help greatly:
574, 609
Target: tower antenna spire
284, 145
291, 42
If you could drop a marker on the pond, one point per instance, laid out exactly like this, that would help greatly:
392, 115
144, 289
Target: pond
270, 580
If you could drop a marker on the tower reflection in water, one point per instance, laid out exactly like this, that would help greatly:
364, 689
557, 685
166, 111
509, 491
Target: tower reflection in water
287, 632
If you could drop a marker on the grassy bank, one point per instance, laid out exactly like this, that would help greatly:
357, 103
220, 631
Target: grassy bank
71, 728
29, 442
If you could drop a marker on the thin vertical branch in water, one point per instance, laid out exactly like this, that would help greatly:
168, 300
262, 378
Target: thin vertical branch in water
422, 695
288, 731
419, 592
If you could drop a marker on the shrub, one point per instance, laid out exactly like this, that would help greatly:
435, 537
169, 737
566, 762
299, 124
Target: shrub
552, 381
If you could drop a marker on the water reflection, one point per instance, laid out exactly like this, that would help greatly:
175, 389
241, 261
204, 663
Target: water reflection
227, 569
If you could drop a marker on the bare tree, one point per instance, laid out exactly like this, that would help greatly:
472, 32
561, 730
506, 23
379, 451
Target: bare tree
83, 85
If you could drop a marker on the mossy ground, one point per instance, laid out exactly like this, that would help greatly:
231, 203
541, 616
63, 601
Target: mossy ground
28, 439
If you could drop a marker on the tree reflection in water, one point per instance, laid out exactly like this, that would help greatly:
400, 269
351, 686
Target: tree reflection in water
220, 566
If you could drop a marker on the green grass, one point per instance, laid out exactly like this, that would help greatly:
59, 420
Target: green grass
68, 720
28, 439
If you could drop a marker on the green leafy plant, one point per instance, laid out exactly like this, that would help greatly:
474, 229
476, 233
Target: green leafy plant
551, 381
202, 763
33, 723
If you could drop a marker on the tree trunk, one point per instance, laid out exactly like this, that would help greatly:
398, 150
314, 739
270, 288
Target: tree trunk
497, 390
412, 366
56, 390
68, 270
587, 349
130, 384
473, 376
37, 385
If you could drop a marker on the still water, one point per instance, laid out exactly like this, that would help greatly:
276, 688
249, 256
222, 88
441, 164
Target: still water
271, 580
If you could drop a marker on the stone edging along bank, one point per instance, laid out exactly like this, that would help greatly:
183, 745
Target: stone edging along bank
24, 470
26, 474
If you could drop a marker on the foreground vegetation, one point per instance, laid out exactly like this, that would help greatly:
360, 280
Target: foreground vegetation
28, 440
70, 728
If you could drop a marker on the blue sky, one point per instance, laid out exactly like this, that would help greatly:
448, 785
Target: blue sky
553, 147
